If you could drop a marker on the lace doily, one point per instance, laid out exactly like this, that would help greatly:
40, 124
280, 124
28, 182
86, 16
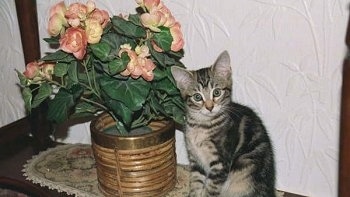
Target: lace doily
71, 168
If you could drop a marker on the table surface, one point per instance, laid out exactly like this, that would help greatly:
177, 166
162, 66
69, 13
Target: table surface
15, 150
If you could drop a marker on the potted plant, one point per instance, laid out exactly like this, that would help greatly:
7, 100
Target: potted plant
118, 69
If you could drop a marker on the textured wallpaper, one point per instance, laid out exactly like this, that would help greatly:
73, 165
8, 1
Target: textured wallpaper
287, 62
11, 55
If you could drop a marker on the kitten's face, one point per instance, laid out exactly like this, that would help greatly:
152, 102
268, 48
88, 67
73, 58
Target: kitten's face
206, 90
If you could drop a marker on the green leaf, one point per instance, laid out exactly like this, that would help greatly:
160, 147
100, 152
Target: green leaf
76, 91
131, 92
22, 79
163, 38
161, 73
162, 58
175, 108
63, 102
84, 107
116, 66
60, 106
101, 50
166, 86
59, 55
119, 64
27, 97
52, 40
114, 40
45, 90
61, 69
127, 28
156, 105
123, 113
72, 74
135, 19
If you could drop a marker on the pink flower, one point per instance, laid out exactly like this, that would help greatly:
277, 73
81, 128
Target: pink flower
93, 31
47, 70
76, 13
90, 6
131, 68
101, 16
59, 8
32, 70
151, 21
167, 19
57, 21
147, 66
74, 41
138, 65
38, 71
142, 51
157, 16
178, 41
148, 4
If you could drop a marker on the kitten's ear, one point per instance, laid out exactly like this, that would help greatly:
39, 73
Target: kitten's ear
222, 65
182, 77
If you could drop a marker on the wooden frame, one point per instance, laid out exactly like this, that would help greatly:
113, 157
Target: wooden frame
344, 147
28, 25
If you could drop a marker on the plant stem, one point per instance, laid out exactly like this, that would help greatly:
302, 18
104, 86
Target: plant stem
90, 86
95, 103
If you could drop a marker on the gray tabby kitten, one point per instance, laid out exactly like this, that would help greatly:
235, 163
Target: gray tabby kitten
229, 150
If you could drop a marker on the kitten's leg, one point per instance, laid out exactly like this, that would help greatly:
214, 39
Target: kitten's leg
197, 180
215, 179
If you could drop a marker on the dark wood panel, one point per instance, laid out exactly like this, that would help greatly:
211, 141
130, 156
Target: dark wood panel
344, 143
28, 25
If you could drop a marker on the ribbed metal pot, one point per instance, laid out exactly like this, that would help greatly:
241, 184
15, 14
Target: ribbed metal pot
141, 165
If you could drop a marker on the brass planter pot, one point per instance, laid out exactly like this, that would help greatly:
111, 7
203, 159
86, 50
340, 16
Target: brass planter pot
142, 165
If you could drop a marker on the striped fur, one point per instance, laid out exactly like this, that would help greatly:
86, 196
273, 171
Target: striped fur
229, 150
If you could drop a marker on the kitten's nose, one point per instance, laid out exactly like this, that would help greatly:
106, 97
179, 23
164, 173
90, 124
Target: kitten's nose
209, 105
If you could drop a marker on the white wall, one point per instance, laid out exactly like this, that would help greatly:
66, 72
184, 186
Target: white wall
287, 58
11, 57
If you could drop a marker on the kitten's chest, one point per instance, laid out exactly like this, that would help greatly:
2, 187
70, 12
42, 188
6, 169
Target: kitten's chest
200, 146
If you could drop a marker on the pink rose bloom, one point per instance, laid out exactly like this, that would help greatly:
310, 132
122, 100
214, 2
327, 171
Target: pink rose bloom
147, 66
56, 25
74, 41
57, 21
138, 65
150, 4
167, 19
90, 6
158, 16
76, 13
142, 51
101, 16
32, 70
131, 68
60, 9
151, 21
47, 70
93, 31
178, 41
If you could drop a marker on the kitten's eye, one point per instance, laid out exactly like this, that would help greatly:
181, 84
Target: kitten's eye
197, 97
216, 92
